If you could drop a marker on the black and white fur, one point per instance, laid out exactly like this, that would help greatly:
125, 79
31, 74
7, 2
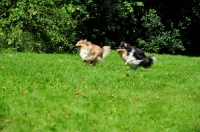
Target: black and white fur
135, 57
138, 53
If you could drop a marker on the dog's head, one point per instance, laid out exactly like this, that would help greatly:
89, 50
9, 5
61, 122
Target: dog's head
82, 44
124, 45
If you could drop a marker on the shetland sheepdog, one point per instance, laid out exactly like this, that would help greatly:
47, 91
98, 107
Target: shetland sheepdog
134, 57
90, 52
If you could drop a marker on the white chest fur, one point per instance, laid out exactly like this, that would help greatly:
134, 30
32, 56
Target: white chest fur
124, 57
84, 52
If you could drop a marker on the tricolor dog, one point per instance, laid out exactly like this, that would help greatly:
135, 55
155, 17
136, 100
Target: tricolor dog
134, 57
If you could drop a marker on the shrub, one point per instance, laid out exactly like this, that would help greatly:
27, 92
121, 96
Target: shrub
156, 38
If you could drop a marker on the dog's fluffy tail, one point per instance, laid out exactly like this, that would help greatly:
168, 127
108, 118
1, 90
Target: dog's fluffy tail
106, 51
148, 61
153, 58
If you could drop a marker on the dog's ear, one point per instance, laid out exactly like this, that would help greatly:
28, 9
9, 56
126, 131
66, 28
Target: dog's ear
85, 40
121, 45
88, 43
125, 45
122, 42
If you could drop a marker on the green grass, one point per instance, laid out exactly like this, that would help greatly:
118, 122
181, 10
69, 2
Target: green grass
58, 92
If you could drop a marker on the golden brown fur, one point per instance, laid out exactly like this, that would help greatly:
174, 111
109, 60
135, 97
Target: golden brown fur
91, 52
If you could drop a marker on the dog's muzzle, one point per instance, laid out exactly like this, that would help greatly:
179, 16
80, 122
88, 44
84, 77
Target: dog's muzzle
119, 51
77, 47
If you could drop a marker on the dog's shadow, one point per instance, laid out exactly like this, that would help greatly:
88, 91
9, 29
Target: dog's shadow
129, 71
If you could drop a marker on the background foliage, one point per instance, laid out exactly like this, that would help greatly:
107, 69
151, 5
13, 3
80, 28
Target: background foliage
55, 25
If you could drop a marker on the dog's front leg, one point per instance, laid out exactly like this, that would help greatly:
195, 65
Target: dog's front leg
127, 61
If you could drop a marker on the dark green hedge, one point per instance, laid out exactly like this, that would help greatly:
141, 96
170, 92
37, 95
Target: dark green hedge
56, 25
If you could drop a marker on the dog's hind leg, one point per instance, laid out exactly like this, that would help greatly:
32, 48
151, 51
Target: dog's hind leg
94, 62
97, 56
97, 59
134, 67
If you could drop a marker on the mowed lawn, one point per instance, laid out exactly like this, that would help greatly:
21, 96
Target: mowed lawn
60, 93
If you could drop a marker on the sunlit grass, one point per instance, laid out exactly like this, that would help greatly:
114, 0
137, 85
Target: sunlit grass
58, 92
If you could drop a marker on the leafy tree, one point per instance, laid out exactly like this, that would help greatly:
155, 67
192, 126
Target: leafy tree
42, 26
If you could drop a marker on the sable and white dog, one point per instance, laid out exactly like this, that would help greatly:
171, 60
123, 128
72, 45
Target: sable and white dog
134, 57
90, 52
